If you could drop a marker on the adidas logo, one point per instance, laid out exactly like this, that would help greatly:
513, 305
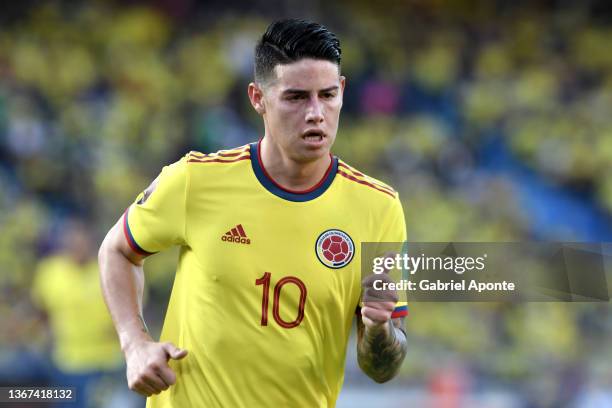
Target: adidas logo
236, 235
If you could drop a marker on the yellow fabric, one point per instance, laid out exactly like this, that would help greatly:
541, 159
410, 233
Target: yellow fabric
84, 337
215, 310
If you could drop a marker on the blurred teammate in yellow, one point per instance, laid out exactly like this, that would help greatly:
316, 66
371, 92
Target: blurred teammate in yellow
66, 287
269, 277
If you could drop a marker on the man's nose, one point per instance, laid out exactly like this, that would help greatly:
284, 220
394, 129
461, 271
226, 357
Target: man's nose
314, 113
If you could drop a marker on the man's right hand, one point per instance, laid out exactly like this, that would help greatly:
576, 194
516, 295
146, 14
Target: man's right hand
122, 280
148, 371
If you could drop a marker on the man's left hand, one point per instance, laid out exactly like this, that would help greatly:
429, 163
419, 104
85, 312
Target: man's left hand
378, 305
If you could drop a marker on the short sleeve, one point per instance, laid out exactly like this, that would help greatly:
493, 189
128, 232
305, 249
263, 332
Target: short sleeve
393, 229
157, 218
394, 224
396, 232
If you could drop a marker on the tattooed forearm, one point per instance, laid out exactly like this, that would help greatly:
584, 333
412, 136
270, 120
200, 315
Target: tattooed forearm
380, 351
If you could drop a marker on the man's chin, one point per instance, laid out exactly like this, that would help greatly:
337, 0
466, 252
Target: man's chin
310, 154
317, 150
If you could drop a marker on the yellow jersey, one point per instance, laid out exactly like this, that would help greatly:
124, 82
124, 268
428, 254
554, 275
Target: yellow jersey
268, 279
84, 335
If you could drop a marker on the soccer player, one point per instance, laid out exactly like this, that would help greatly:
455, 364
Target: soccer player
268, 277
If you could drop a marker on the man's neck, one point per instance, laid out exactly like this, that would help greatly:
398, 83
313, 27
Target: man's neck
288, 173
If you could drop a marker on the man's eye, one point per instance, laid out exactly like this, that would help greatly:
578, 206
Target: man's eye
295, 97
328, 95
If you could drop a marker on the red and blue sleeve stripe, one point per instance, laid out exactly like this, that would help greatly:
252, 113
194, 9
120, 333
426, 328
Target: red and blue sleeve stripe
399, 311
130, 238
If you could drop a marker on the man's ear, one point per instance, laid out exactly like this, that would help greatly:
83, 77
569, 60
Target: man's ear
256, 98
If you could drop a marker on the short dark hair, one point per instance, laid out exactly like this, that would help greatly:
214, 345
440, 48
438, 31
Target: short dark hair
291, 40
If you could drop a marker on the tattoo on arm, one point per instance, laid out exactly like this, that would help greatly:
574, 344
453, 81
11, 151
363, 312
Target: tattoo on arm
379, 352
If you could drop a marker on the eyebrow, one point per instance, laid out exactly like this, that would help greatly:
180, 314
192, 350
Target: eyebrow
302, 91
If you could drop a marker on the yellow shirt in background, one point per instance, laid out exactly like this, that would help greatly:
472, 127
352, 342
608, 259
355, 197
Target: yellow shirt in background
85, 339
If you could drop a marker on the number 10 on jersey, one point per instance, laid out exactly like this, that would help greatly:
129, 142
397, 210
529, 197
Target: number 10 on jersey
265, 281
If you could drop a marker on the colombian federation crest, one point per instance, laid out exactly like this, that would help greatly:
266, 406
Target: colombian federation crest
334, 248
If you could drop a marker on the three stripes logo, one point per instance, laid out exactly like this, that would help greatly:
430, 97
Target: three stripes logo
236, 235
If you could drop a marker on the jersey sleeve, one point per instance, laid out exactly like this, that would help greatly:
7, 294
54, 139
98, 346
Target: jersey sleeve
394, 224
393, 229
157, 218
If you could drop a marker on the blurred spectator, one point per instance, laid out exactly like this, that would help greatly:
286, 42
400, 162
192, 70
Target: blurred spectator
85, 347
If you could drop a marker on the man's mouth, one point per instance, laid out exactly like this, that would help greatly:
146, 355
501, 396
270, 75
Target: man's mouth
313, 136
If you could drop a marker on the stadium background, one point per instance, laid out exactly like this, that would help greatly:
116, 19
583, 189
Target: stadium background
492, 119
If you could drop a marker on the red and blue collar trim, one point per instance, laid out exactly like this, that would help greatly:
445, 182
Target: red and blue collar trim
291, 195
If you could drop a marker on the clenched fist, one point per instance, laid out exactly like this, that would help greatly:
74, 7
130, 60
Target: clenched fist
148, 371
378, 305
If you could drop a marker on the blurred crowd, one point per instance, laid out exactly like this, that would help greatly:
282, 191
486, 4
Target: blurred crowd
486, 116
